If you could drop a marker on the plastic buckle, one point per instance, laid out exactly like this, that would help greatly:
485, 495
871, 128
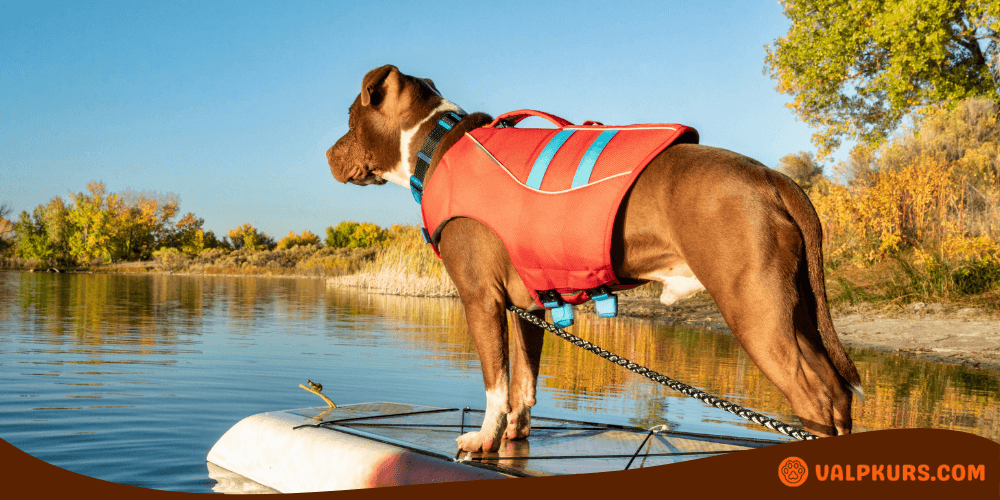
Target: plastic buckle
606, 305
562, 313
605, 302
416, 187
562, 316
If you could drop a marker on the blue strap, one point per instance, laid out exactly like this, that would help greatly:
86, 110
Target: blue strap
545, 157
586, 167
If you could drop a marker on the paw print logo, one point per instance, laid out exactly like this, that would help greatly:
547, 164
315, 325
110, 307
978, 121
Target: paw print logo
793, 471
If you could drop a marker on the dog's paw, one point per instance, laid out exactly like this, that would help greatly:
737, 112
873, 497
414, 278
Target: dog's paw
519, 423
478, 441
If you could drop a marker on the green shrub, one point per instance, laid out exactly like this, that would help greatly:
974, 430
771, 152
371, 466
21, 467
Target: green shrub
976, 277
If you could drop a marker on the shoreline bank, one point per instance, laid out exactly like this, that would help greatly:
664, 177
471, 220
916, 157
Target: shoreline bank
938, 332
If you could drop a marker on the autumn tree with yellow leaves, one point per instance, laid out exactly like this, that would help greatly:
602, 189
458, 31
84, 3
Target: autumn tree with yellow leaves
293, 240
249, 238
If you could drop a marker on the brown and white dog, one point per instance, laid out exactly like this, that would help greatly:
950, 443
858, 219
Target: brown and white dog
696, 218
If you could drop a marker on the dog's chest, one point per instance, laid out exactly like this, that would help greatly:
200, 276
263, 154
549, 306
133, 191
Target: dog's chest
551, 195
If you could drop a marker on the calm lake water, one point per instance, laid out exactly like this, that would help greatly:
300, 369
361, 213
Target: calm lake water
132, 379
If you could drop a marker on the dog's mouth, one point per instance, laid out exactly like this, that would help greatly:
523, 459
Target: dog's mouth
369, 179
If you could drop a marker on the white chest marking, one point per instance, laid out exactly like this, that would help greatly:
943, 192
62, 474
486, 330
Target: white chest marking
400, 174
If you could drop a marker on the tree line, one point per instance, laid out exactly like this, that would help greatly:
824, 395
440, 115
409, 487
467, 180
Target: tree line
96, 227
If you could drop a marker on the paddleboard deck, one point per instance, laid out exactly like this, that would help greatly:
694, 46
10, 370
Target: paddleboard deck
376, 444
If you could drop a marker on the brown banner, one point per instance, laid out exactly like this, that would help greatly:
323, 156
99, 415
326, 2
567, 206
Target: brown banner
892, 462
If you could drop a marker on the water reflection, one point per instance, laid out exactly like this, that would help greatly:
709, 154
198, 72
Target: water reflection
899, 391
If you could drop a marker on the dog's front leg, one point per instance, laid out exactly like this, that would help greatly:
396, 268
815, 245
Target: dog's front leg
479, 265
488, 327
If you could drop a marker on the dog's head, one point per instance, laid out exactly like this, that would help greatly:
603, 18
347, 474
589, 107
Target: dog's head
389, 103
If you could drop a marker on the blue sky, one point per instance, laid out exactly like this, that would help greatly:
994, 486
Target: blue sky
231, 105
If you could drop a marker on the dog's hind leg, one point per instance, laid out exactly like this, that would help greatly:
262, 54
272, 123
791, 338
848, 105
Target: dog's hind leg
526, 353
762, 300
816, 355
779, 342
752, 239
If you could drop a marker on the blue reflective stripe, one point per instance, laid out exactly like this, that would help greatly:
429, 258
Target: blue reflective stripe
444, 124
586, 167
542, 162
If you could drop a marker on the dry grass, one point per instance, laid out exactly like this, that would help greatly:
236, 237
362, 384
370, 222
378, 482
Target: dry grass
398, 280
18, 263
404, 266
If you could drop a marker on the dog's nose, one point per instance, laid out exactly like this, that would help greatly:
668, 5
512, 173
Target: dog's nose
340, 158
334, 158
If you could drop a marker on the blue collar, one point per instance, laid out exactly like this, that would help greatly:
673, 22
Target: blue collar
444, 124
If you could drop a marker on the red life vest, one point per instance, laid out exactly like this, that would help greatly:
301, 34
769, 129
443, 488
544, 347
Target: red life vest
551, 195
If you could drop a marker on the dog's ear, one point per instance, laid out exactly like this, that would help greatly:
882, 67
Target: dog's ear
373, 86
431, 83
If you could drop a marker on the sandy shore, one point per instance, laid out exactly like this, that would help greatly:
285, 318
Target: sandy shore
936, 331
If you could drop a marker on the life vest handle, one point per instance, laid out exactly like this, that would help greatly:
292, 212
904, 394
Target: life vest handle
512, 118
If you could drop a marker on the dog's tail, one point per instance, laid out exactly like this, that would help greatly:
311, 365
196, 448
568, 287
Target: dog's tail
804, 214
